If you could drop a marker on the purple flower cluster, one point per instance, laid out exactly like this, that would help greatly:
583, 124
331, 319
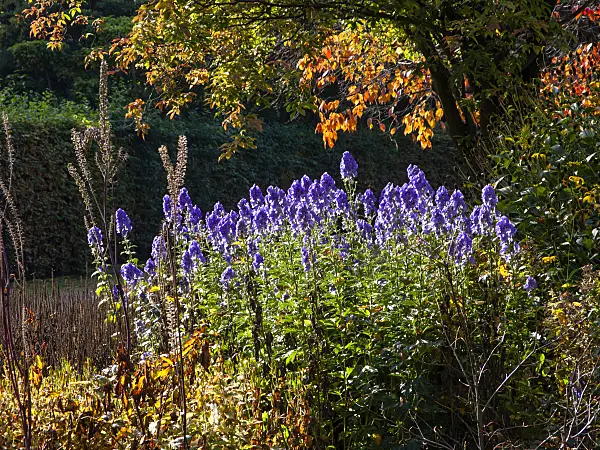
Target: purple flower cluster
530, 284
123, 223
414, 209
95, 238
315, 212
131, 274
348, 167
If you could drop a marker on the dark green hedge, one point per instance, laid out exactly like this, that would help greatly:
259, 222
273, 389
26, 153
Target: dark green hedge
52, 209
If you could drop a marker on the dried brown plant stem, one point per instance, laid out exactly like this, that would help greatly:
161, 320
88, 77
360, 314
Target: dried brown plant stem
18, 372
179, 348
175, 180
97, 199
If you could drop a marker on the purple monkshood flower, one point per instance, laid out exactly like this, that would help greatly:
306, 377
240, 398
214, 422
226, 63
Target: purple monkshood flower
212, 221
305, 181
327, 183
256, 196
195, 215
296, 191
306, 259
348, 167
505, 231
482, 220
275, 197
257, 261
418, 180
159, 250
343, 246
456, 205
219, 209
316, 195
275, 218
123, 223
365, 229
150, 267
488, 196
245, 209
437, 220
530, 284
241, 228
167, 207
227, 275
409, 196
261, 219
184, 199
462, 247
369, 202
131, 274
196, 253
304, 220
226, 226
341, 201
442, 197
95, 237
187, 264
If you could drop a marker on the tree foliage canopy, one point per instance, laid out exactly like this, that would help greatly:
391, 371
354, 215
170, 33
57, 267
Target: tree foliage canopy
389, 62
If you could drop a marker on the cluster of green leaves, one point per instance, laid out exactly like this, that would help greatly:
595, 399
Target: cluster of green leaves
45, 109
547, 165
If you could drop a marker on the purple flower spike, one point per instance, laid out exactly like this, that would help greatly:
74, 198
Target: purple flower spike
150, 267
95, 237
462, 247
261, 219
369, 202
187, 264
327, 183
442, 197
256, 196
167, 207
488, 196
184, 199
123, 222
418, 180
227, 275
505, 231
305, 259
348, 167
131, 274
159, 250
195, 215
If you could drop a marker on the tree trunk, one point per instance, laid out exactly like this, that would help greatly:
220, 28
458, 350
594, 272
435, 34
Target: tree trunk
457, 127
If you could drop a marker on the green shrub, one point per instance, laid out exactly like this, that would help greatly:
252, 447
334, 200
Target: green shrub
547, 168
